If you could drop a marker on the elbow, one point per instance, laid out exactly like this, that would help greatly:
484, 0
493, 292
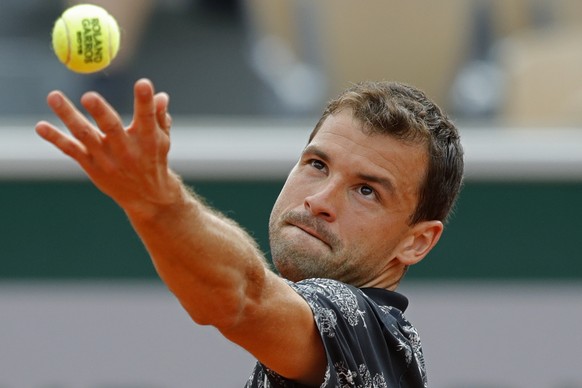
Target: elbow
222, 310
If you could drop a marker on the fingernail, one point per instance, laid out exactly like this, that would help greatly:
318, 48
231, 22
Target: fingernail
88, 100
55, 100
40, 129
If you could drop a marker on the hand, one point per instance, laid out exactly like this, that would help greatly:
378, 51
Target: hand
128, 164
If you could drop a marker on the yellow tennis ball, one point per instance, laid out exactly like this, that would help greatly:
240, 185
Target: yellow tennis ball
86, 38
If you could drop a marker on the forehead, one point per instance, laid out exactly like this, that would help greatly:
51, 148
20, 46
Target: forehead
342, 125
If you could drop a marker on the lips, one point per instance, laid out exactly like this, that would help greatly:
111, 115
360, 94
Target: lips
311, 231
312, 226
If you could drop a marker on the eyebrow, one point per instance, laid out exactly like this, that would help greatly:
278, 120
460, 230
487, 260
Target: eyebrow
386, 183
311, 149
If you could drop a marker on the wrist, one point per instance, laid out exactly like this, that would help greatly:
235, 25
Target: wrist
171, 197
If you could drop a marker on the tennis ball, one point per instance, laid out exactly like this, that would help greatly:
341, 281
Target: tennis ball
86, 38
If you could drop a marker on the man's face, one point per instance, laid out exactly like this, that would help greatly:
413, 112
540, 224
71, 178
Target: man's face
346, 205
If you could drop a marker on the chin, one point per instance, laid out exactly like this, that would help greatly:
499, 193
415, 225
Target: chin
288, 271
297, 262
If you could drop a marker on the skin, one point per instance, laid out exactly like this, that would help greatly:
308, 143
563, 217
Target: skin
212, 266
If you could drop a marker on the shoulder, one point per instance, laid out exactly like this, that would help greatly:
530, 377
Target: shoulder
329, 298
321, 290
328, 292
352, 303
365, 332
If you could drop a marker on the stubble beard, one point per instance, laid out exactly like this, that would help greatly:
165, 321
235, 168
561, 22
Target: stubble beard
296, 261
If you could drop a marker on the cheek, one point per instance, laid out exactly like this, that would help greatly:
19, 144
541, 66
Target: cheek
291, 193
284, 201
376, 234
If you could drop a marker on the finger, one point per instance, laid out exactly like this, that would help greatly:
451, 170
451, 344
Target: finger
106, 118
67, 144
75, 121
163, 118
144, 117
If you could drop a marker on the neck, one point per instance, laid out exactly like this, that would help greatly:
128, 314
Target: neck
390, 277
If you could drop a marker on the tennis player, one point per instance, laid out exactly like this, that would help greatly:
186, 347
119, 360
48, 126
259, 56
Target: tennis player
368, 198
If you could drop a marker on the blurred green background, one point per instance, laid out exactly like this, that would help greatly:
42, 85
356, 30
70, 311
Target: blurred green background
500, 230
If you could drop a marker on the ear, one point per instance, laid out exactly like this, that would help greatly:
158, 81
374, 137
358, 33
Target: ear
421, 239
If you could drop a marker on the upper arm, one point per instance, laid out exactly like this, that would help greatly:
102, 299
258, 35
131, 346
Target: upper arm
278, 328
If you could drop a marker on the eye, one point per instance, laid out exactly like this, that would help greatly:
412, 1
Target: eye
317, 164
367, 191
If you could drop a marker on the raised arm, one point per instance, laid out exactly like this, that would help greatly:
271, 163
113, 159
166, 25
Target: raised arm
213, 267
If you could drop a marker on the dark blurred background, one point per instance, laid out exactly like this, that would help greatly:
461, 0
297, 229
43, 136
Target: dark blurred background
511, 62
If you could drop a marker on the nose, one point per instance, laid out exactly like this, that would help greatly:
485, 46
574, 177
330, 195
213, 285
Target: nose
323, 203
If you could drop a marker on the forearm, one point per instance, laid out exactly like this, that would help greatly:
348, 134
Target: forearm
211, 264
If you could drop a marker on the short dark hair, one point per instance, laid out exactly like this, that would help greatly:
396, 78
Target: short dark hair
406, 113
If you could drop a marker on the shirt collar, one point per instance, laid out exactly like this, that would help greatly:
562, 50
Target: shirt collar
387, 298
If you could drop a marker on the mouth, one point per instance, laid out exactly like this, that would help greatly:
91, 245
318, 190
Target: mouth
310, 231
